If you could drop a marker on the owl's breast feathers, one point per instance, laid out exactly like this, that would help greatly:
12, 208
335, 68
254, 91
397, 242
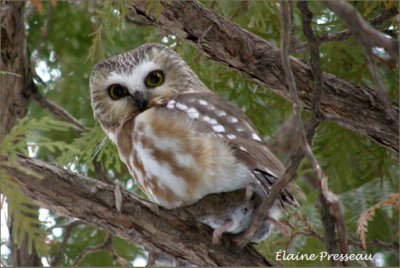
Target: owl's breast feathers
194, 145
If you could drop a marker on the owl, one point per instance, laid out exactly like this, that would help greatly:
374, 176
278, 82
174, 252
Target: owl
179, 141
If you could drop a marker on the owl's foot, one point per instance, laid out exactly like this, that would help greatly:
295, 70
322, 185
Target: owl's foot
220, 230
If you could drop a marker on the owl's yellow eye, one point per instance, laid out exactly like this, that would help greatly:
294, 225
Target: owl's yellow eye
154, 79
117, 91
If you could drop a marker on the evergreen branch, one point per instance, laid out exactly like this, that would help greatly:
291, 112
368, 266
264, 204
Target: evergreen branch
76, 196
393, 200
236, 48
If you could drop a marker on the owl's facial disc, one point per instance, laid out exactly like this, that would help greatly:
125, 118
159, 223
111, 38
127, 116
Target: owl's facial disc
124, 85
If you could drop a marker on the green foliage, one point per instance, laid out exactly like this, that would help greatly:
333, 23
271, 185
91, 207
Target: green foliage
91, 145
27, 133
24, 217
30, 132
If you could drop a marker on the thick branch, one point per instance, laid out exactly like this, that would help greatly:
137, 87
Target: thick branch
140, 222
15, 91
234, 47
16, 76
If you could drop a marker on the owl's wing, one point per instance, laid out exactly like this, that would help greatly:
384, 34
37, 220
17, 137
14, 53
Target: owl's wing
216, 115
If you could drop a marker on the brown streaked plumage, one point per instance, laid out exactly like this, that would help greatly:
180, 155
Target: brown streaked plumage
178, 139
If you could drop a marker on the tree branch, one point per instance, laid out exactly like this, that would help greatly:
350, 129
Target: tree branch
57, 111
15, 93
140, 222
105, 245
345, 34
58, 257
331, 213
236, 48
366, 34
16, 76
369, 38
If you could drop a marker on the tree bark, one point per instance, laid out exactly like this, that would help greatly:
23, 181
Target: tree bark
353, 106
15, 91
139, 221
16, 77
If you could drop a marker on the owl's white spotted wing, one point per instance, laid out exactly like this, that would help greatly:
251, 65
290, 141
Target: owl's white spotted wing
215, 115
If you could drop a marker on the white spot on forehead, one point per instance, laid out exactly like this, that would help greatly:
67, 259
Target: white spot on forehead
193, 113
255, 137
220, 113
181, 106
232, 119
171, 104
218, 128
202, 102
231, 136
133, 79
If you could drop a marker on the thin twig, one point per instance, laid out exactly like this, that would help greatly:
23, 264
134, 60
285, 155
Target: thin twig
376, 243
57, 111
302, 233
61, 249
105, 245
365, 33
330, 209
262, 211
346, 34
116, 257
369, 38
292, 24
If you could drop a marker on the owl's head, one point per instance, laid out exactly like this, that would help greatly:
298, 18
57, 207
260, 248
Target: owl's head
123, 86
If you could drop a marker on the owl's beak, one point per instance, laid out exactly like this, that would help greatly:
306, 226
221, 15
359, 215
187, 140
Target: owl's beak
140, 100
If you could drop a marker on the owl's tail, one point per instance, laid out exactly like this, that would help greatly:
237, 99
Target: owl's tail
267, 180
